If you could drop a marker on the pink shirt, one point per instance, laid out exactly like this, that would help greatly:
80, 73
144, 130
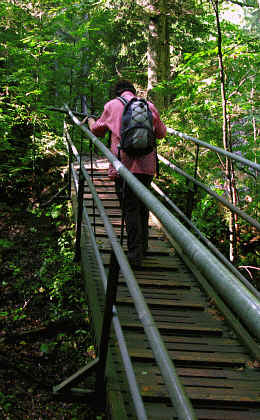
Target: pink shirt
111, 120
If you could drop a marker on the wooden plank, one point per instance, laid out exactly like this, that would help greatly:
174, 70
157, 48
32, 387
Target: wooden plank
166, 275
237, 375
101, 231
194, 357
163, 303
171, 284
157, 262
187, 346
112, 213
103, 182
204, 394
228, 414
156, 248
166, 294
214, 341
99, 222
101, 189
149, 375
152, 252
102, 197
237, 387
185, 316
108, 204
146, 263
170, 328
162, 411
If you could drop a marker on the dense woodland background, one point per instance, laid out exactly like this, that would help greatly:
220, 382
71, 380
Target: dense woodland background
198, 60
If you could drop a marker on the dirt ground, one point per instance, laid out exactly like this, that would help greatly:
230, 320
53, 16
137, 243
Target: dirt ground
44, 328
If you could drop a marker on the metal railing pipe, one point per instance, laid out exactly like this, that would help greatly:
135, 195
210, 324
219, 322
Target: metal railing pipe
130, 374
243, 302
133, 386
137, 399
176, 391
232, 156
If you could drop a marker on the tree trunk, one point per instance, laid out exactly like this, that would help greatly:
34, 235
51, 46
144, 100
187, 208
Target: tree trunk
234, 226
227, 143
158, 55
254, 119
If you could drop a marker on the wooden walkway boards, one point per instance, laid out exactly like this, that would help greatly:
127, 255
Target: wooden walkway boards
219, 376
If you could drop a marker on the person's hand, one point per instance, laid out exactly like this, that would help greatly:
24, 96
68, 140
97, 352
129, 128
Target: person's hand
84, 120
91, 122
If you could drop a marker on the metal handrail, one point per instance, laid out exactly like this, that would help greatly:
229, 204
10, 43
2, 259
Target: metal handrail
176, 391
229, 287
134, 390
230, 155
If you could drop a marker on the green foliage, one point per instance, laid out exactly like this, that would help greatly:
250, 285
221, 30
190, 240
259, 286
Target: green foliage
4, 243
57, 279
58, 274
6, 401
51, 53
210, 218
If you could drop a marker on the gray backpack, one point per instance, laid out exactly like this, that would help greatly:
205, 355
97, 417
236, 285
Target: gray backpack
137, 136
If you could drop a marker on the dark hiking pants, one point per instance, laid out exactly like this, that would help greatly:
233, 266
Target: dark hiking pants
136, 217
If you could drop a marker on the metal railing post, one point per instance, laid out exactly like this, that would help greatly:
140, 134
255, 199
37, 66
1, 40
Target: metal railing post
70, 156
196, 166
79, 216
110, 301
85, 111
92, 179
193, 188
69, 172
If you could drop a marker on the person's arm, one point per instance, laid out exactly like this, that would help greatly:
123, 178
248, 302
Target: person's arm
159, 127
100, 126
90, 120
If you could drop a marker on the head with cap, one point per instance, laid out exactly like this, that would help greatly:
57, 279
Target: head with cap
122, 86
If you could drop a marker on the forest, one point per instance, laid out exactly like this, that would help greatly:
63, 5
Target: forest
198, 61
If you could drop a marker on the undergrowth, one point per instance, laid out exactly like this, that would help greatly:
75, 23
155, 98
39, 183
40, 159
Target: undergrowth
45, 334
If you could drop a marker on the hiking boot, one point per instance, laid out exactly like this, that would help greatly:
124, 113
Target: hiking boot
135, 265
145, 249
135, 262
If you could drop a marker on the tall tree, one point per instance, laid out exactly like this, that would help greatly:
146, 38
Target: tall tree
227, 142
158, 50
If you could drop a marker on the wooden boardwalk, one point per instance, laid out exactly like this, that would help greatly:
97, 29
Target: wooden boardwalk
220, 378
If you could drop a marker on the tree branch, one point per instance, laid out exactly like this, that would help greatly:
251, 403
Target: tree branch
240, 3
246, 77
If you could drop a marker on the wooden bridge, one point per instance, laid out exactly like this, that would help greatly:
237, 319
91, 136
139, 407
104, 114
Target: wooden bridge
178, 347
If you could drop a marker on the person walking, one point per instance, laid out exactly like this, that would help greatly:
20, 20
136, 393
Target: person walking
143, 167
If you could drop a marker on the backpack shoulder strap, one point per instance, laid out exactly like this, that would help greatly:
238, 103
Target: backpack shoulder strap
123, 100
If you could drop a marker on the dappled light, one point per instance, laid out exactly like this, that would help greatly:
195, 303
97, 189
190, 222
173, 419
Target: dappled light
88, 331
